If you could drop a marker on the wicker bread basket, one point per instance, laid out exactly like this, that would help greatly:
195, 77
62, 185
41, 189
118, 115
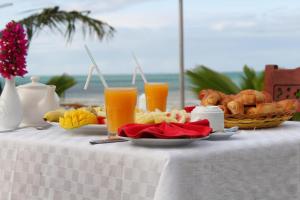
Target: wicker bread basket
257, 121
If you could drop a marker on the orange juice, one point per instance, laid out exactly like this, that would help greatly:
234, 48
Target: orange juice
156, 96
120, 107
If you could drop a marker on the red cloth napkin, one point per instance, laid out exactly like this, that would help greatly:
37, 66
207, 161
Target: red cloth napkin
164, 130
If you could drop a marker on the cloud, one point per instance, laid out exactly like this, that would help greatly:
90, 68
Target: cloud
274, 21
138, 20
232, 25
138, 14
103, 6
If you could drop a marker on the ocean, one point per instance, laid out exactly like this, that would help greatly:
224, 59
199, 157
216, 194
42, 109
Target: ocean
94, 94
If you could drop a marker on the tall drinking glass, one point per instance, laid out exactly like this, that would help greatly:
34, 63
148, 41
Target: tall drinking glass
156, 96
120, 103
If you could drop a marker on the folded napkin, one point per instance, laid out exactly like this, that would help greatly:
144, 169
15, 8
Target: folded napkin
165, 130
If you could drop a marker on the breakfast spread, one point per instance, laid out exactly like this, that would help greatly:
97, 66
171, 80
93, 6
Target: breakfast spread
247, 109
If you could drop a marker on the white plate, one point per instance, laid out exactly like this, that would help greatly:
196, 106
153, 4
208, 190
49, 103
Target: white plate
221, 135
90, 129
163, 142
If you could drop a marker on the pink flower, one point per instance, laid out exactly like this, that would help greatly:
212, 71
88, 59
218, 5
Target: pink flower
13, 50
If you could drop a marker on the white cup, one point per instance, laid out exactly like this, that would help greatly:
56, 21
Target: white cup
213, 114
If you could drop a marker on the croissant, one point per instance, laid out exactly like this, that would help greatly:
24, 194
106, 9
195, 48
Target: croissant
266, 108
268, 97
204, 93
251, 97
211, 99
289, 105
224, 108
226, 99
235, 107
251, 111
279, 108
222, 95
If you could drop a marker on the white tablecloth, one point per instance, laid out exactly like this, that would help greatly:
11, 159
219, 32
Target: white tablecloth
56, 165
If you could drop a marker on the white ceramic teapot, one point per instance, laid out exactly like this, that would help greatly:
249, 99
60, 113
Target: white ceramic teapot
37, 99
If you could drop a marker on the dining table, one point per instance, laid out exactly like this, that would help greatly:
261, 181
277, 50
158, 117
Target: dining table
54, 164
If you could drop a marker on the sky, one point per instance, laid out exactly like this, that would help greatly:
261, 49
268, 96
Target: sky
223, 35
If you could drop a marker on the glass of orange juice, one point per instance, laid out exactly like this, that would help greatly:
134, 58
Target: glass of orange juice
156, 96
120, 103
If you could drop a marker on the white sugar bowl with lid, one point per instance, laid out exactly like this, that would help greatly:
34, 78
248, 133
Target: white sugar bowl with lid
213, 114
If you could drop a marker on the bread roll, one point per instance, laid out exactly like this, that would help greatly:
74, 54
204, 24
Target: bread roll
268, 97
279, 108
251, 111
205, 93
226, 99
266, 108
210, 97
235, 107
224, 108
289, 105
250, 97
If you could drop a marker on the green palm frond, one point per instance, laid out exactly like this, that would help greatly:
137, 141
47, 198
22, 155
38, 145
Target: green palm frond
248, 77
260, 81
296, 117
62, 83
251, 79
202, 77
65, 23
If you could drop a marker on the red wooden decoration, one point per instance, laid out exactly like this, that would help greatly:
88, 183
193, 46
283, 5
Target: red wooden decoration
282, 83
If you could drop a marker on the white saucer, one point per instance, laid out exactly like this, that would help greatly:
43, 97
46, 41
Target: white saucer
221, 135
163, 142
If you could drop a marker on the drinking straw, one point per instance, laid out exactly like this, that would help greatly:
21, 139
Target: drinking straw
134, 76
138, 68
91, 69
94, 66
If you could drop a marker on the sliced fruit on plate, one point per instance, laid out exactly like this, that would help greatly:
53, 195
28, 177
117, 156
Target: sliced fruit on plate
179, 116
101, 120
99, 111
77, 118
163, 118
